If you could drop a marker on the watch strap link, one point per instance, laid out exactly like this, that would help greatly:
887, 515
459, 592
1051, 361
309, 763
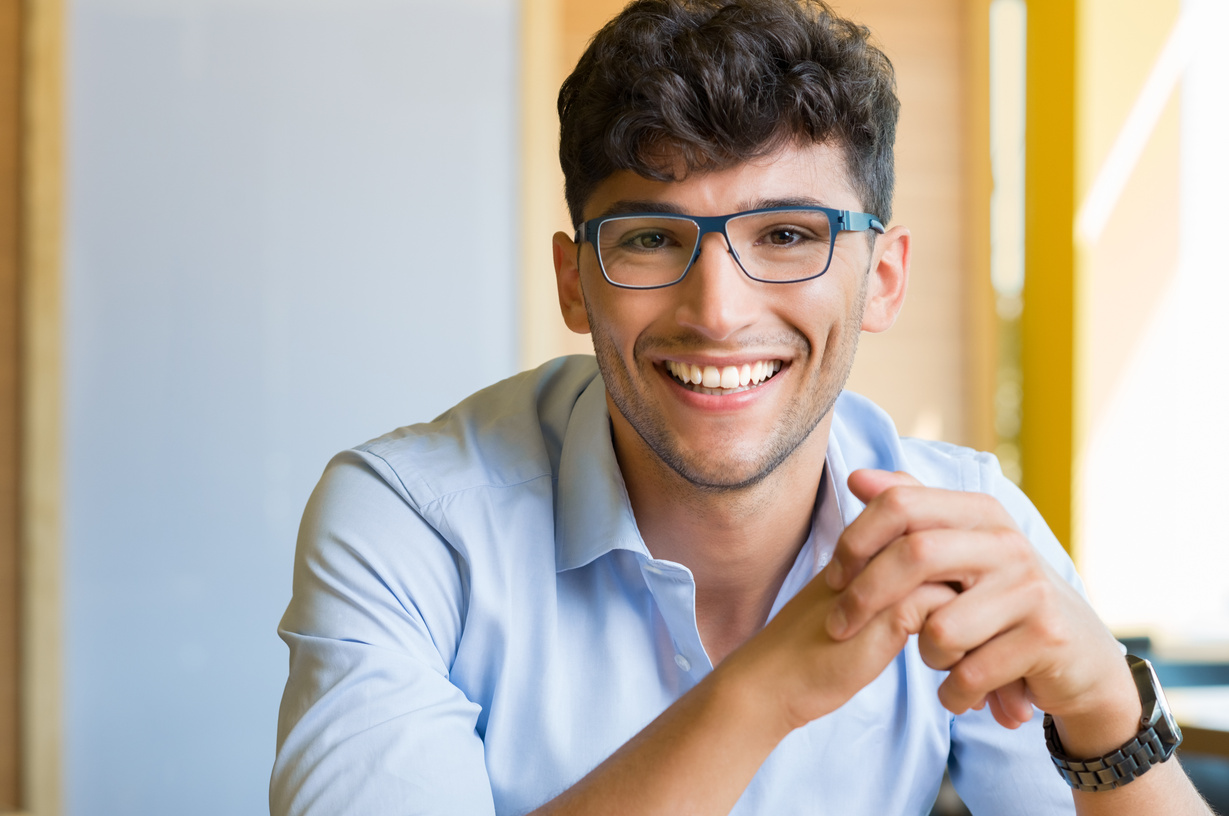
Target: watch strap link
1112, 770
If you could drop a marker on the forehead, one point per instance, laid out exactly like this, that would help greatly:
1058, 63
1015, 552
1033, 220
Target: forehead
795, 172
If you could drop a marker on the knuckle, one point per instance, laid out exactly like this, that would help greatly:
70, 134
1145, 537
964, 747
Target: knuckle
850, 548
967, 678
905, 618
856, 599
898, 500
939, 632
989, 505
1051, 632
906, 623
1038, 594
920, 548
1009, 543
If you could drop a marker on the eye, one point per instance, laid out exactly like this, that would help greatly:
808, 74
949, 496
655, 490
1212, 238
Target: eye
784, 236
647, 240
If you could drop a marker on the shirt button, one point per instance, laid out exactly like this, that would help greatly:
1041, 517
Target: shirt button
682, 662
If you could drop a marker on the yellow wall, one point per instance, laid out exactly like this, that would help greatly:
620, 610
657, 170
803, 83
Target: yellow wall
1048, 322
1085, 298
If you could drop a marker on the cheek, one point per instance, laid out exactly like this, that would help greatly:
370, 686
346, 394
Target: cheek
819, 314
625, 316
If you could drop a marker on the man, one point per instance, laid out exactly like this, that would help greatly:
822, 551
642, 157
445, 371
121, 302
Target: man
703, 581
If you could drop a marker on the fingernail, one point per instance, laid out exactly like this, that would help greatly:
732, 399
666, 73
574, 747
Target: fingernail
836, 622
834, 575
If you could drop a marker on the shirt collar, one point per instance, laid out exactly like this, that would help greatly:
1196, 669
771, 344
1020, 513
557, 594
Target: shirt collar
592, 512
849, 504
593, 515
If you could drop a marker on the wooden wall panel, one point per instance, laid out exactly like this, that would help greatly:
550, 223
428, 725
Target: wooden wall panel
919, 371
42, 193
10, 403
552, 41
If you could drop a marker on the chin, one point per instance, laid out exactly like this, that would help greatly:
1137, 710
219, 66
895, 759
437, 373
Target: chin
726, 475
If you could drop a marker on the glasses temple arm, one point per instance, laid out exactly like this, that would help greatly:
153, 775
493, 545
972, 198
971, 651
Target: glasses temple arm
857, 222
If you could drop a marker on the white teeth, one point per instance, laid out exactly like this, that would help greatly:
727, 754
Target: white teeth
713, 380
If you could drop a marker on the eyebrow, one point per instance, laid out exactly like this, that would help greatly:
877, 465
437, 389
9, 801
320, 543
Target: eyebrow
627, 207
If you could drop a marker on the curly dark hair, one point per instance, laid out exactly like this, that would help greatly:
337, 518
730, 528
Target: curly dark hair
687, 85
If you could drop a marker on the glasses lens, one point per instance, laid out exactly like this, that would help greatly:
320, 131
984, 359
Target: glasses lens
646, 251
780, 246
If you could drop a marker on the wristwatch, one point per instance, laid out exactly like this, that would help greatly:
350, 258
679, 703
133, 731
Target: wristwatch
1156, 741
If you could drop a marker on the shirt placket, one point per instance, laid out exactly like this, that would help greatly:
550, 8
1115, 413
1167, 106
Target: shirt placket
674, 591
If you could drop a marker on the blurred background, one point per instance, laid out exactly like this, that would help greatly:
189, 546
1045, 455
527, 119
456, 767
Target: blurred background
235, 234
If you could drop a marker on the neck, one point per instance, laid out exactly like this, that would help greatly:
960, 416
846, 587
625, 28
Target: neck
738, 543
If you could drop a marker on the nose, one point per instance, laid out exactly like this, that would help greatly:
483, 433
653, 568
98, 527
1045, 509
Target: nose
716, 298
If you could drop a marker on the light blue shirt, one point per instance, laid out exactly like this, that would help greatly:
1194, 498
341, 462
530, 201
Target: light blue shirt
476, 623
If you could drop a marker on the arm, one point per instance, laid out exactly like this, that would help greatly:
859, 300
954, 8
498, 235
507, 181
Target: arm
371, 723
699, 756
1017, 634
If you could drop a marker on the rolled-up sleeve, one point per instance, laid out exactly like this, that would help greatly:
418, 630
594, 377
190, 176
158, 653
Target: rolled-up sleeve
369, 721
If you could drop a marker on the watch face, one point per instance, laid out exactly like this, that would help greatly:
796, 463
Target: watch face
1157, 691
1156, 708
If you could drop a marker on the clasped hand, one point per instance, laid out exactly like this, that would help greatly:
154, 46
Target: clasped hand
1013, 634
953, 568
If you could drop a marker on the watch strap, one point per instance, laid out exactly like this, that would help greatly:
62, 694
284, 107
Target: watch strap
1159, 736
1113, 770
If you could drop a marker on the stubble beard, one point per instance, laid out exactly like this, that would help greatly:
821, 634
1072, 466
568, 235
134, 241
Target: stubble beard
795, 426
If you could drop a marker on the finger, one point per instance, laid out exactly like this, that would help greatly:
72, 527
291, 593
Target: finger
1007, 658
902, 509
895, 624
958, 557
989, 608
867, 483
1010, 705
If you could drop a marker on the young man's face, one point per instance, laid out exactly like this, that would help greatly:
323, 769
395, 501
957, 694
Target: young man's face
718, 317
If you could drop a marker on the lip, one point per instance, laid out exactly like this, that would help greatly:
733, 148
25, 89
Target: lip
720, 402
720, 362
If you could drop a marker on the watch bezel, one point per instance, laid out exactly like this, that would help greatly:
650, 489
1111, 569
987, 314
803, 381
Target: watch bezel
1156, 711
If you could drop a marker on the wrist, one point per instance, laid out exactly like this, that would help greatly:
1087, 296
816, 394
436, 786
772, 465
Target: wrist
742, 687
1106, 723
1155, 741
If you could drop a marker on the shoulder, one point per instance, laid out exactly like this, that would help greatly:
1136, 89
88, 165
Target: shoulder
867, 438
401, 526
506, 434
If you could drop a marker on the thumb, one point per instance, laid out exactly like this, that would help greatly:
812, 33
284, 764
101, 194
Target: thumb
866, 484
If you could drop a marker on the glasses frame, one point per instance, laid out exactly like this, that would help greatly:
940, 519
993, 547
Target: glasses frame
838, 220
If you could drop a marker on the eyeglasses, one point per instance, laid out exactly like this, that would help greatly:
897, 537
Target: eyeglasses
772, 245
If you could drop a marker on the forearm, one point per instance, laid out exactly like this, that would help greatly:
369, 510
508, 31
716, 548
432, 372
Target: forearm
699, 756
1164, 788
696, 758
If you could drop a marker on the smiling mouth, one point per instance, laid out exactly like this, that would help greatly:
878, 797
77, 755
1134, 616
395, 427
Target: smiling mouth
722, 381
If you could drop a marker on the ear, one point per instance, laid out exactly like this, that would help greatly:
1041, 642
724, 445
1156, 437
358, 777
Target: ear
889, 278
567, 279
